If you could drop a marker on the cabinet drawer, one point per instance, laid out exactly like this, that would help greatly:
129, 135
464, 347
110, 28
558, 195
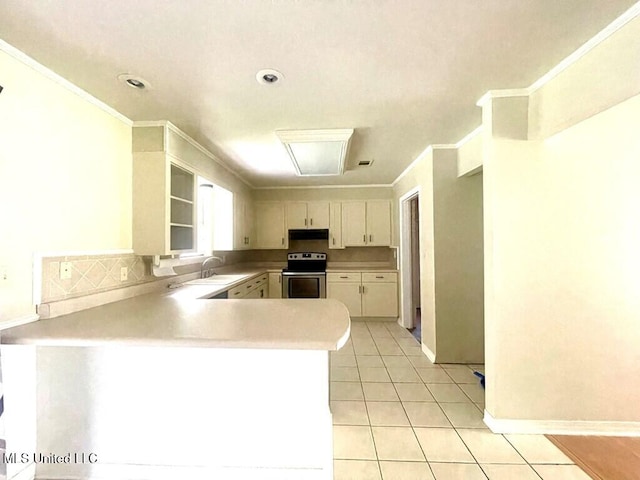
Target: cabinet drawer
379, 277
337, 277
238, 292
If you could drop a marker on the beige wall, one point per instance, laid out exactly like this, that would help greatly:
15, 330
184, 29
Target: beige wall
561, 249
470, 156
421, 176
458, 253
451, 254
562, 271
65, 170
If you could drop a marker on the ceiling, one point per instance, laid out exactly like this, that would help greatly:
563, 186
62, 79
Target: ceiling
404, 74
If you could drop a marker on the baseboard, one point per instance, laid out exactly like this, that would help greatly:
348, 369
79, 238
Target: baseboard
562, 427
430, 355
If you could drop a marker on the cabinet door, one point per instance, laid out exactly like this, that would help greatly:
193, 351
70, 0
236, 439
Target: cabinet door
354, 224
275, 285
380, 300
270, 225
379, 223
297, 215
347, 293
255, 293
318, 214
335, 225
239, 237
248, 230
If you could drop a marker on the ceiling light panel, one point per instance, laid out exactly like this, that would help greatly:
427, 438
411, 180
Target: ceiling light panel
317, 152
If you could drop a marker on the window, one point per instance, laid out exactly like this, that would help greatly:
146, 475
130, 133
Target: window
215, 217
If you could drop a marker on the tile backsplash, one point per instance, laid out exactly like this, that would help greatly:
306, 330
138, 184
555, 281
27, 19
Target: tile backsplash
91, 274
100, 273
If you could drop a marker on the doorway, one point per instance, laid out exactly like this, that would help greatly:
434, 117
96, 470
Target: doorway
410, 262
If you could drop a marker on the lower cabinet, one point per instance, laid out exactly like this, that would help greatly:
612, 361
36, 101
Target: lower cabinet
365, 294
257, 287
275, 285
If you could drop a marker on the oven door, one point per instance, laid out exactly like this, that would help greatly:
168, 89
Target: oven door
304, 285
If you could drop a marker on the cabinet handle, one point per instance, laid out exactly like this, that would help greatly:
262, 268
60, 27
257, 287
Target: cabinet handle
379, 276
363, 289
305, 222
333, 239
371, 238
282, 240
364, 238
311, 221
344, 276
280, 279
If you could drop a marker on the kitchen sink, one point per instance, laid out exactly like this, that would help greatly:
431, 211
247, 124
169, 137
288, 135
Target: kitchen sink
216, 280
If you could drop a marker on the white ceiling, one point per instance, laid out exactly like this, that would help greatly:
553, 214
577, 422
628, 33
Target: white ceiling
403, 73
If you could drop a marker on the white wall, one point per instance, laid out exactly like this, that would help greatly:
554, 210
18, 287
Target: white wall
65, 173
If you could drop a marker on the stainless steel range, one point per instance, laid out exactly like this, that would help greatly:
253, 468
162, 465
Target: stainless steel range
305, 275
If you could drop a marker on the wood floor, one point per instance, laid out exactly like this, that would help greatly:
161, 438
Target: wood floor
603, 458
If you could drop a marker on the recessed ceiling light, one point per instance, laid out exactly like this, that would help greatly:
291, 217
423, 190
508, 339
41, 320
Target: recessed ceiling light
133, 81
269, 76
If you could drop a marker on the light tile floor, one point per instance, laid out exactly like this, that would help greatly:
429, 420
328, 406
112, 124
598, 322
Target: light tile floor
397, 416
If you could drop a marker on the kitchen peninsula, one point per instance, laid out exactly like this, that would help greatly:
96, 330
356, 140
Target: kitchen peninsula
174, 386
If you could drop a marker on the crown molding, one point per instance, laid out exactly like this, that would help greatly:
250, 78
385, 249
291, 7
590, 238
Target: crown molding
469, 136
592, 43
63, 82
193, 143
504, 93
306, 187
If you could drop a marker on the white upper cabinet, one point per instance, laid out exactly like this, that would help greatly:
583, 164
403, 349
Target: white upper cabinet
270, 224
366, 223
243, 231
335, 225
307, 215
318, 214
354, 224
379, 223
297, 215
164, 201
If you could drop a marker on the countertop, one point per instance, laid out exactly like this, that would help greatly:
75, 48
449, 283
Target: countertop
182, 317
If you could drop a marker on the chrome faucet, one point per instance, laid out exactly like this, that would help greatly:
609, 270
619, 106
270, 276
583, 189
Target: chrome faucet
206, 271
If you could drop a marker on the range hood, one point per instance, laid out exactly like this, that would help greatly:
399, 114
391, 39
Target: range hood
319, 234
317, 152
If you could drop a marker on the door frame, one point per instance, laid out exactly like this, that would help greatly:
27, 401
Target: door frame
406, 280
